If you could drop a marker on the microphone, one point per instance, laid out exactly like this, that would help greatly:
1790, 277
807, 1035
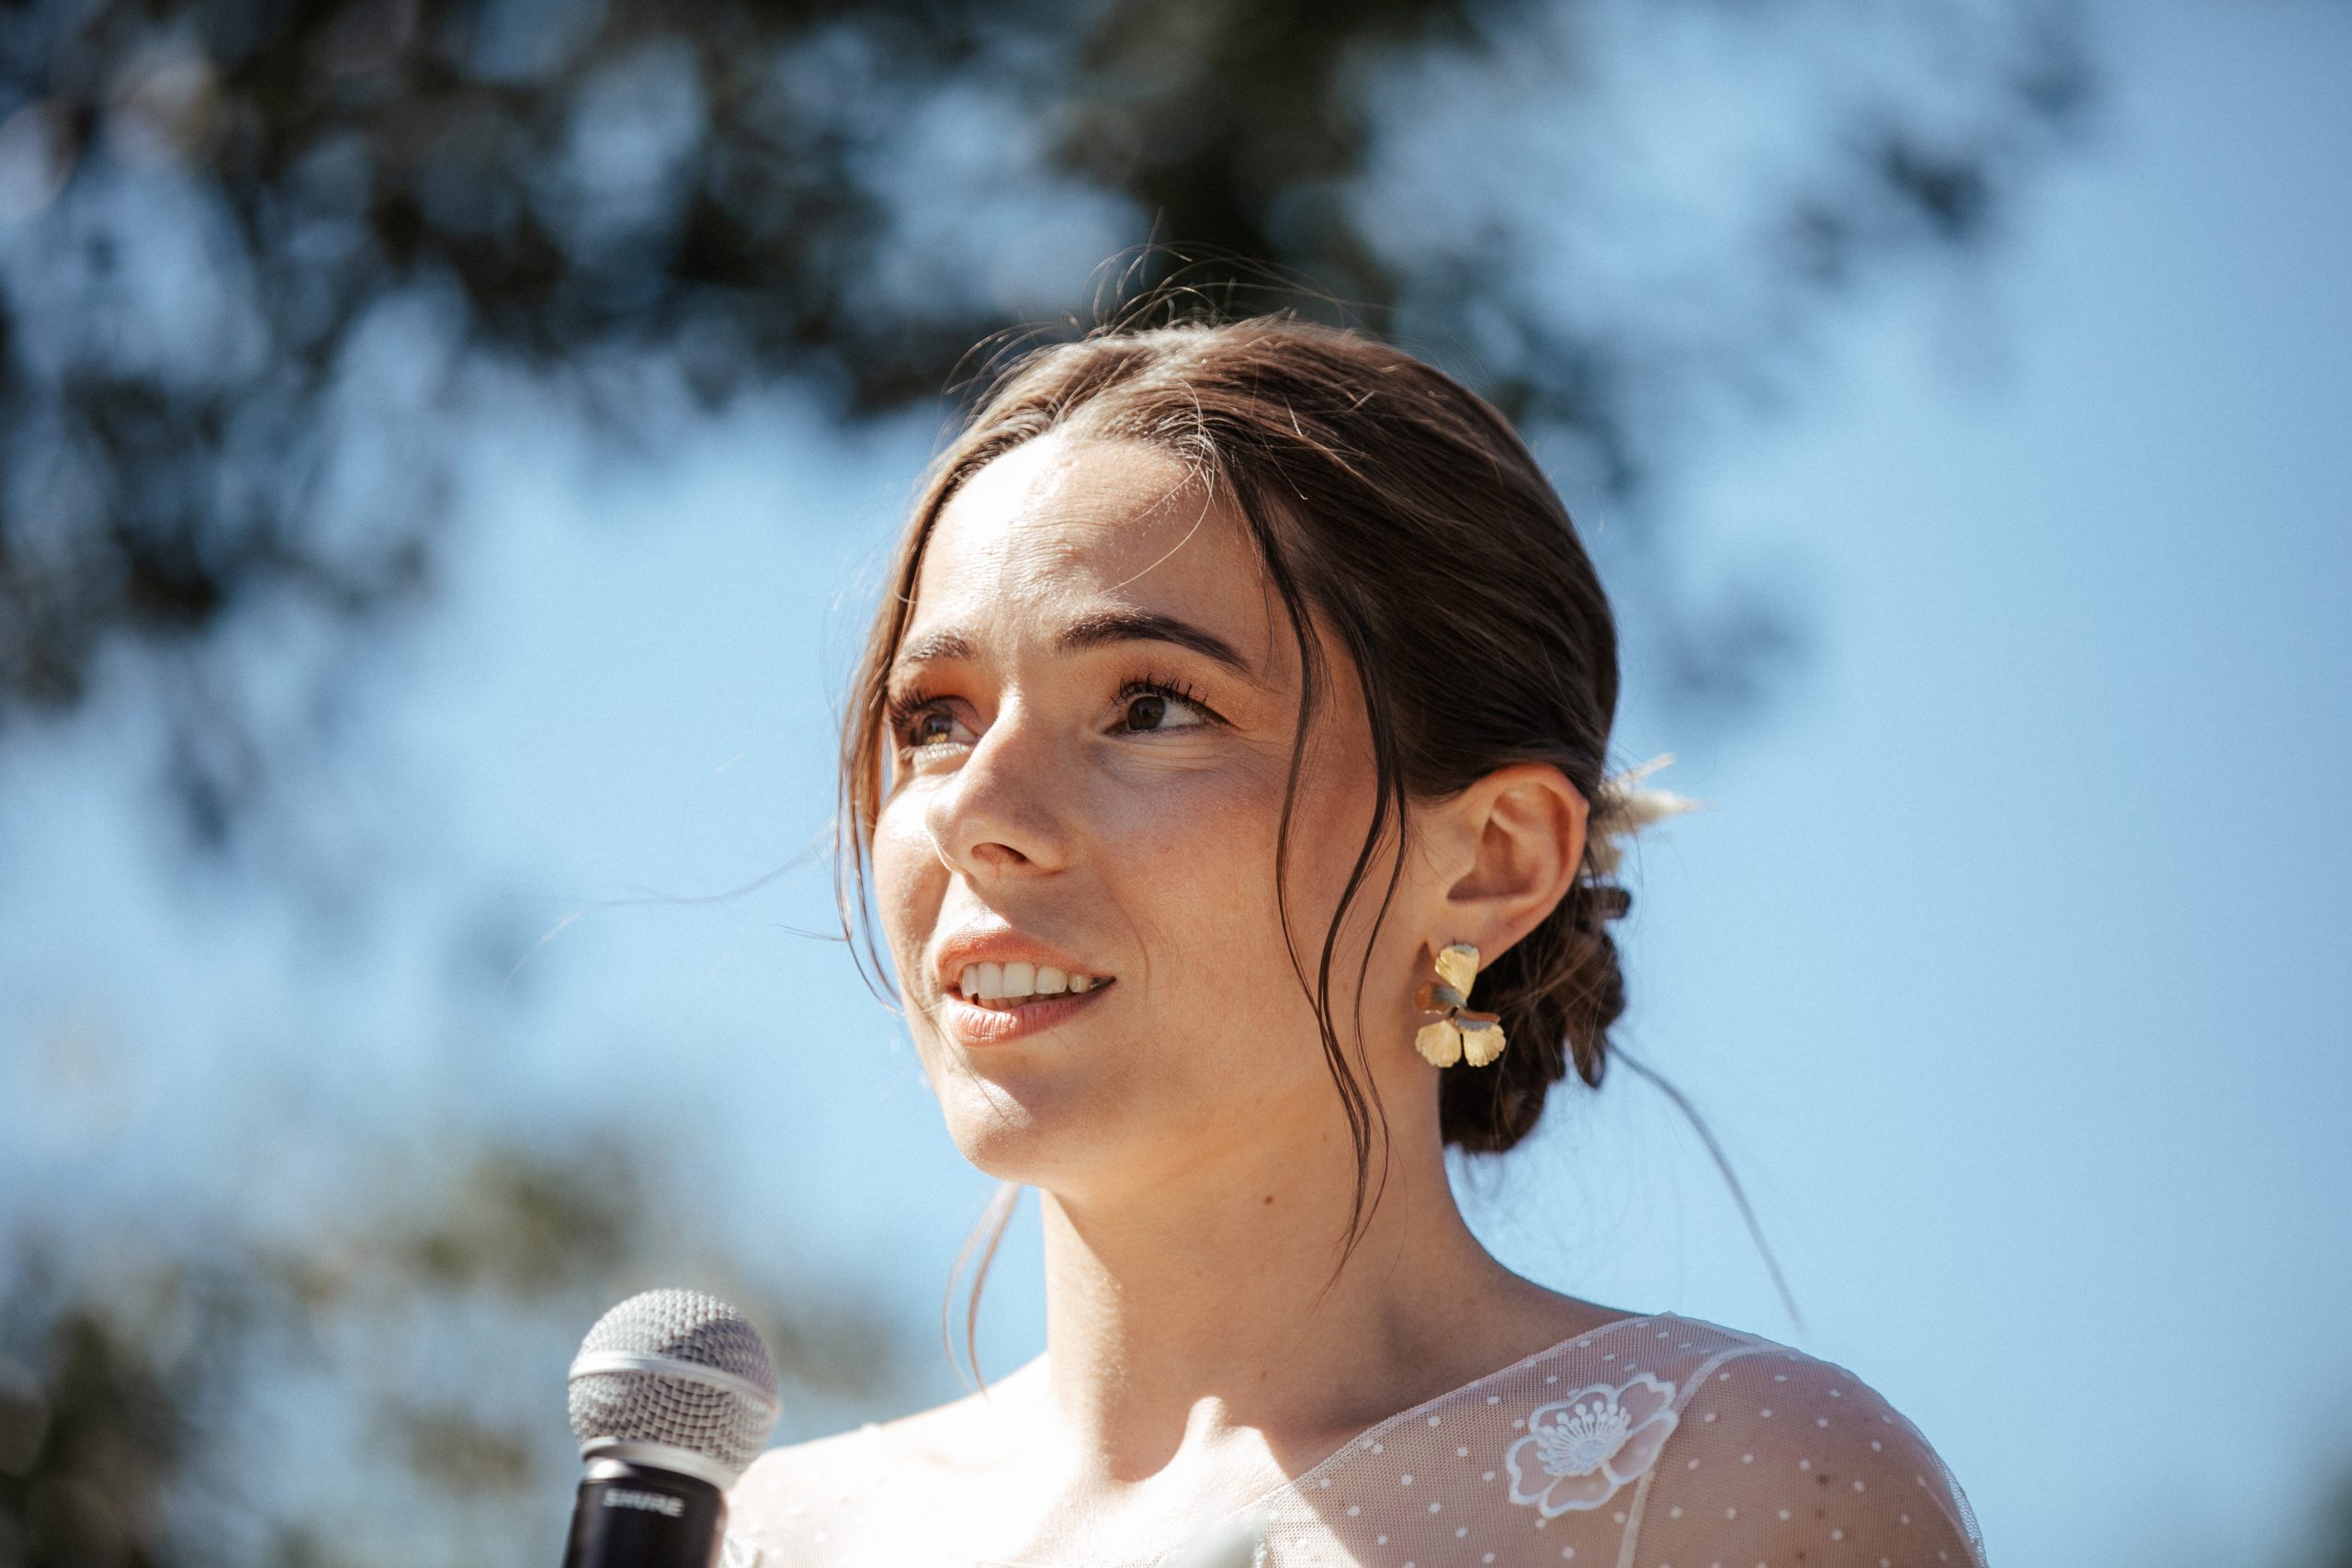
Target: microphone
673, 1396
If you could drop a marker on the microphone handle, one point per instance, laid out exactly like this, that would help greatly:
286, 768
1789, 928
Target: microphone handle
633, 1516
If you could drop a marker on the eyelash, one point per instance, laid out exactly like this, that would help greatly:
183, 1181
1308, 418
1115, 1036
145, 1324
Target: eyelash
906, 707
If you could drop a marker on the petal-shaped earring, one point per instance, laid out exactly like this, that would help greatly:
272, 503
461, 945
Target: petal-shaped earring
1461, 1035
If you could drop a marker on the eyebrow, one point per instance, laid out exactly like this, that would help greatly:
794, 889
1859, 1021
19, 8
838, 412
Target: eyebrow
1100, 629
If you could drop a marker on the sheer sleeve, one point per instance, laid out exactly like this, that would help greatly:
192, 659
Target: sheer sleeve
1781, 1459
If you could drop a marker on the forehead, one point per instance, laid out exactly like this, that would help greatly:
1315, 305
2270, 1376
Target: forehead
1060, 528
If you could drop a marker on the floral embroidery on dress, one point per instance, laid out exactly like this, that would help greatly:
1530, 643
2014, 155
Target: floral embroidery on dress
1580, 1449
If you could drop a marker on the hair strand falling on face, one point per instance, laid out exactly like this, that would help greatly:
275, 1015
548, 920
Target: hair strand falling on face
1372, 486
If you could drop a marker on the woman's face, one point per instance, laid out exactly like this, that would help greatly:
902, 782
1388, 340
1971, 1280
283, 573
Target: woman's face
1097, 693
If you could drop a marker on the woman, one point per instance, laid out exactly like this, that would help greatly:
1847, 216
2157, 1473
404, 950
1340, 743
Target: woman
1228, 757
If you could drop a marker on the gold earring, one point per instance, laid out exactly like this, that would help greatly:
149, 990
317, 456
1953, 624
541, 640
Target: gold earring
1461, 1035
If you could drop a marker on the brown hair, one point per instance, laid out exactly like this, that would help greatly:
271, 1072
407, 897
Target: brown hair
1398, 508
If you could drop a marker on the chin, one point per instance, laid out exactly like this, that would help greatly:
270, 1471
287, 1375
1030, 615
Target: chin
1034, 1129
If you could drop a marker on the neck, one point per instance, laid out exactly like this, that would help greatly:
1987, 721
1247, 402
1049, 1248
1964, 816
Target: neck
1196, 1308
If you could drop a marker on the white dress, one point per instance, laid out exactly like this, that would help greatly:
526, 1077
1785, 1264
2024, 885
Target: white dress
1650, 1443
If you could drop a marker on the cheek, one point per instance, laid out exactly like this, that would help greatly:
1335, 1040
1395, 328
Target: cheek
909, 883
1195, 869
1192, 859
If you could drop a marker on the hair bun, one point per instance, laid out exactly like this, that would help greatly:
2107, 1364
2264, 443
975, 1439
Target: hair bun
1608, 901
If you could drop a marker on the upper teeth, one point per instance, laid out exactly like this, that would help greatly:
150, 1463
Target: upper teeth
1012, 982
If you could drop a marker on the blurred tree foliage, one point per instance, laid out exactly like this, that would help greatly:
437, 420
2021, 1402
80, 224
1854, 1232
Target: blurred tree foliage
384, 1390
223, 224
252, 252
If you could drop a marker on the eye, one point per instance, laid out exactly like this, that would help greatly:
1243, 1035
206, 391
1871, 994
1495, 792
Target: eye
920, 721
927, 727
1149, 705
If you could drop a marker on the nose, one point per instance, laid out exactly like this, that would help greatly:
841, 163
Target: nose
1003, 811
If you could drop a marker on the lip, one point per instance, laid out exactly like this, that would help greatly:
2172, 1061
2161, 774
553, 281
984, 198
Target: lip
977, 1027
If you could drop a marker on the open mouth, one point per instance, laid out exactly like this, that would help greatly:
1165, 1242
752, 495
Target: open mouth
975, 1018
1006, 987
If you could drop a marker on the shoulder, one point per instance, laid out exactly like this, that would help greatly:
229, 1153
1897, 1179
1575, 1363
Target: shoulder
822, 1467
794, 1466
856, 1495
1802, 1460
801, 1503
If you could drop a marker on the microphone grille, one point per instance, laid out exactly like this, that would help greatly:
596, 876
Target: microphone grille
678, 1369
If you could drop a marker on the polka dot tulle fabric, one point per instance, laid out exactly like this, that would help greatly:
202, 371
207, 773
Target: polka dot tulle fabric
1652, 1442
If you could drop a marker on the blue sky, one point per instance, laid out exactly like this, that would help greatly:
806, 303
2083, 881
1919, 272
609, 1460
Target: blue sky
2005, 957
2002, 960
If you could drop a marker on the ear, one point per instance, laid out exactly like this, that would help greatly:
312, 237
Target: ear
1515, 840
